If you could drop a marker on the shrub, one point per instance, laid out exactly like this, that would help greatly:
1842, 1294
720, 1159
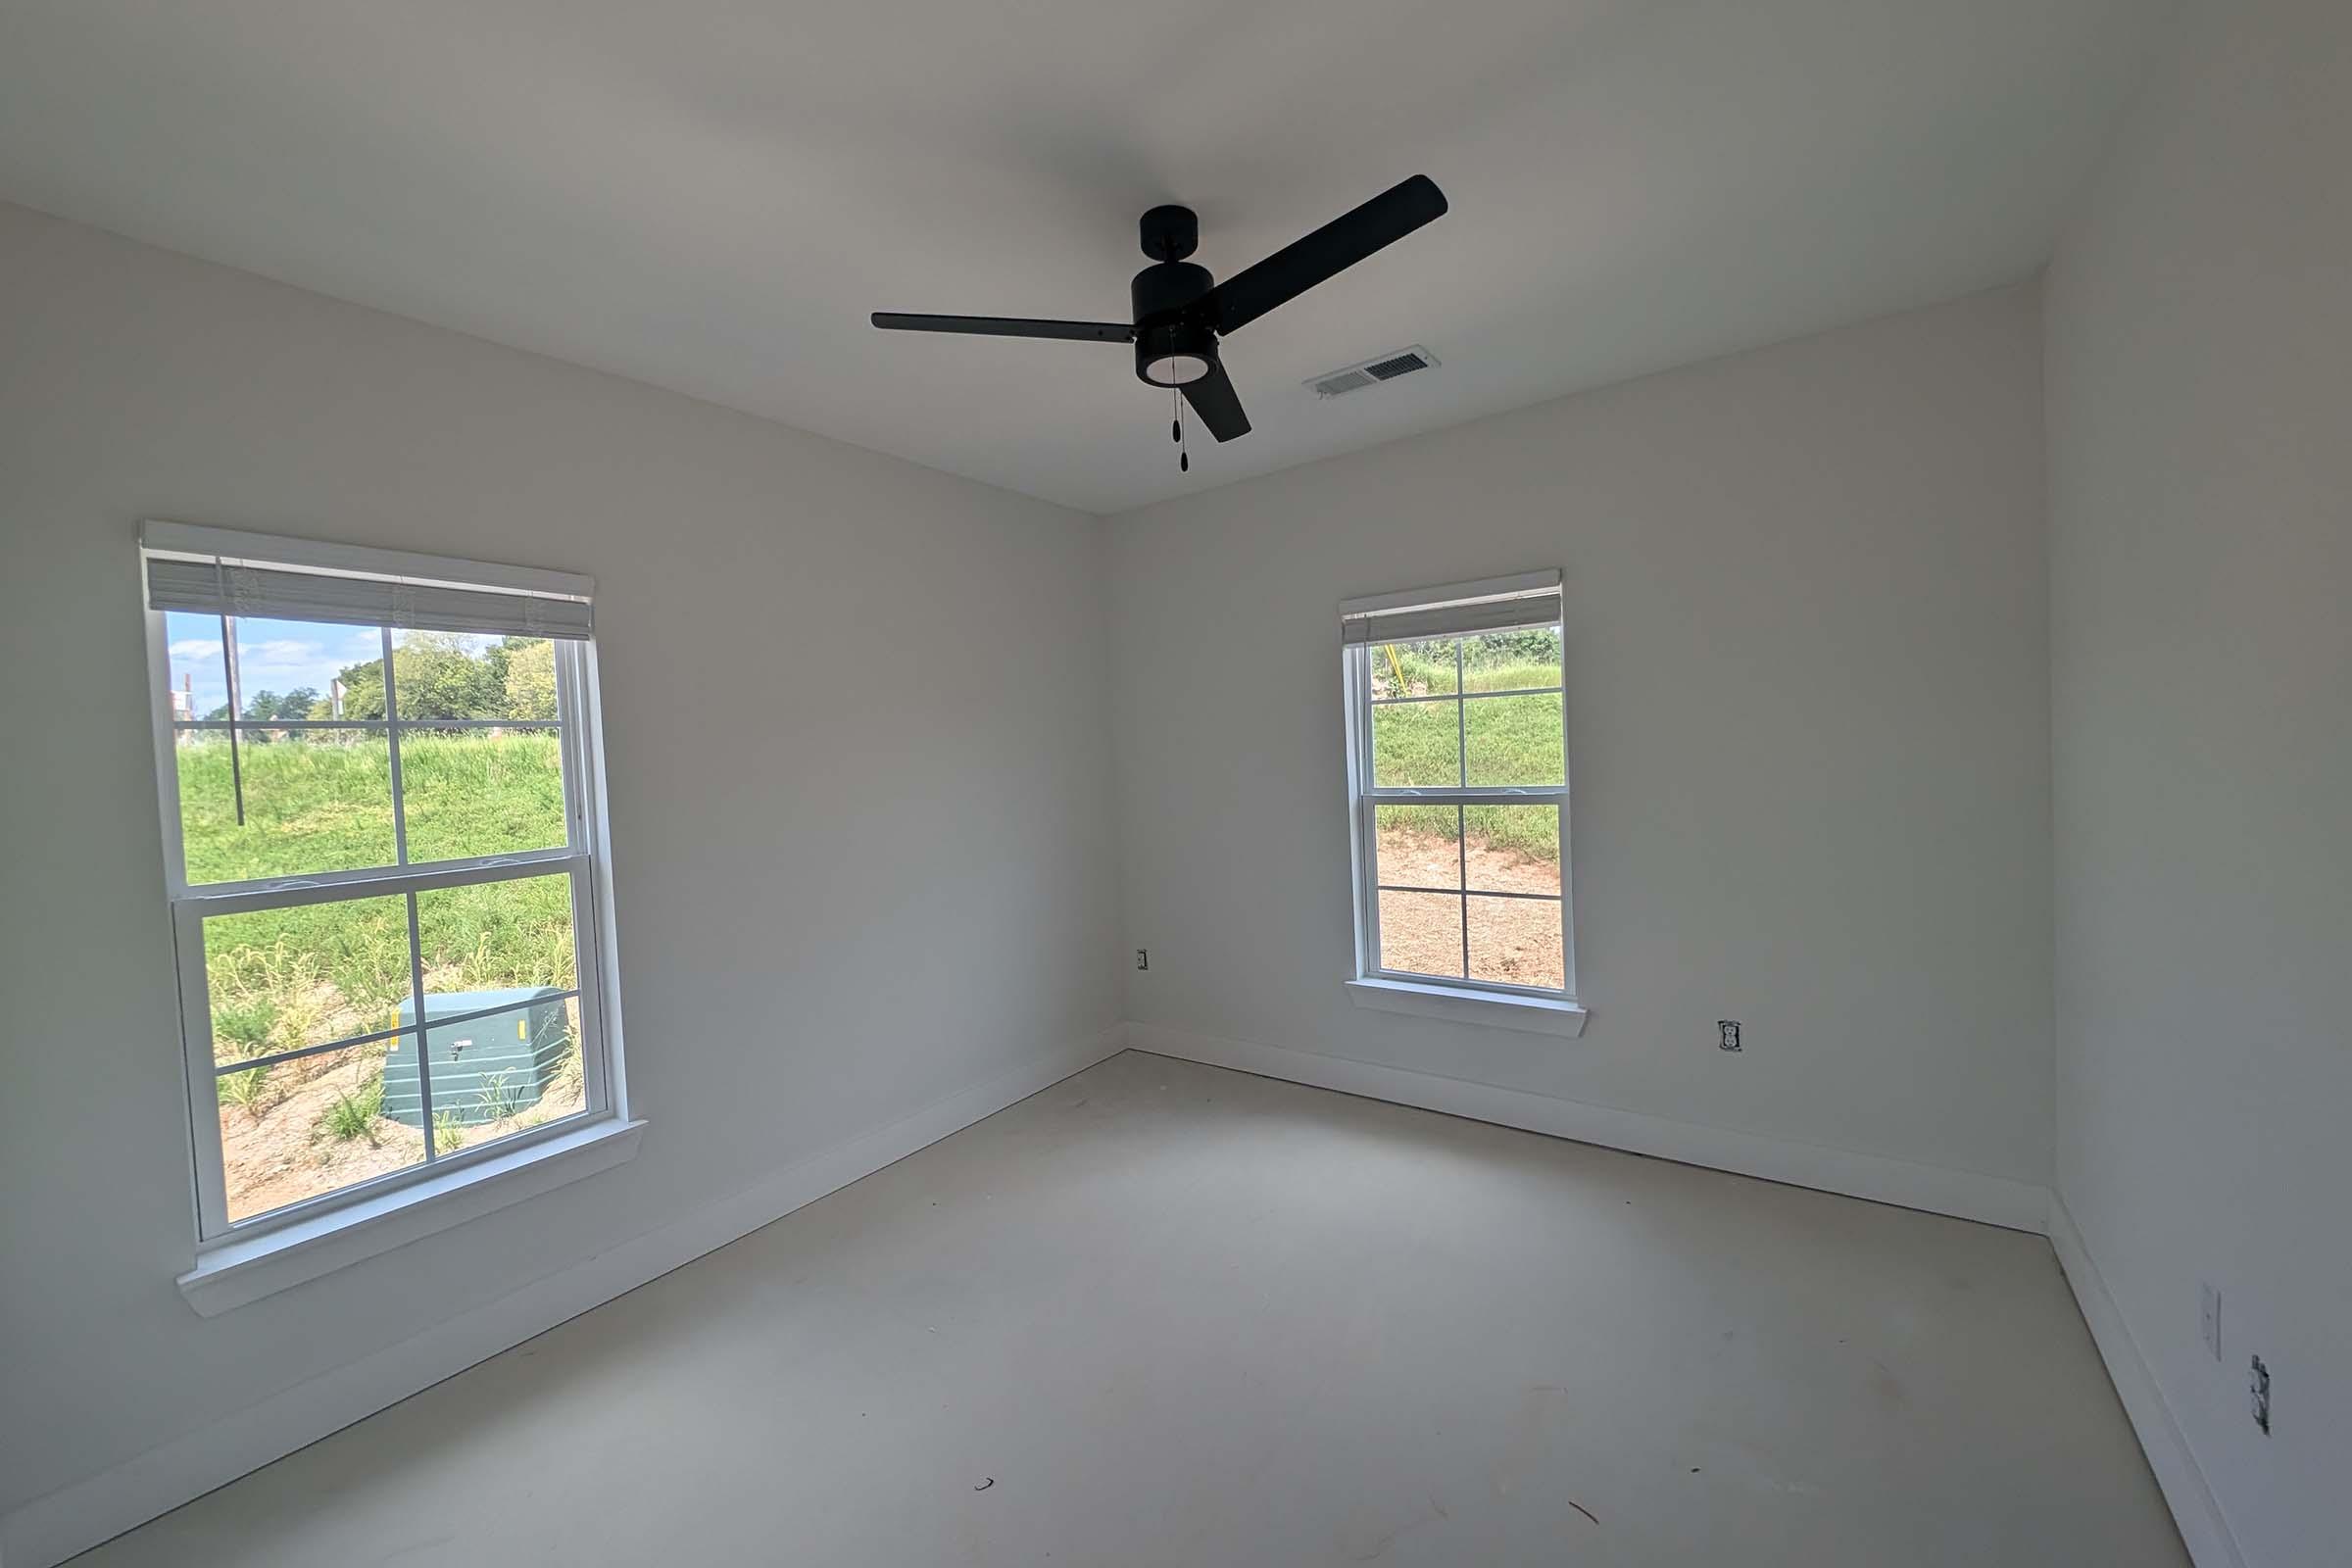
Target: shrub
1536, 645
245, 1022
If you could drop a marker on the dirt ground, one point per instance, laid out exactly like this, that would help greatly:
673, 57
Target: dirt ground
1515, 941
284, 1153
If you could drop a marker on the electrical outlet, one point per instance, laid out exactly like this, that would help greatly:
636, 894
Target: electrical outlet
2259, 1387
1143, 959
1726, 1034
2209, 1322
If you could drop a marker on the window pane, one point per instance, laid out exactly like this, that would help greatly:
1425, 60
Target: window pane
198, 666
1421, 933
1514, 848
472, 792
1511, 661
481, 792
315, 800
283, 979
308, 669
1515, 941
306, 1127
498, 936
502, 949
447, 674
1417, 744
1413, 669
1513, 740
1419, 846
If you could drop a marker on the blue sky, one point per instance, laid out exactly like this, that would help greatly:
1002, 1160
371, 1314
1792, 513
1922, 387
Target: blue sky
272, 655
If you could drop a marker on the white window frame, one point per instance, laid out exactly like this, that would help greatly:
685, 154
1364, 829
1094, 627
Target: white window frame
1371, 985
222, 1247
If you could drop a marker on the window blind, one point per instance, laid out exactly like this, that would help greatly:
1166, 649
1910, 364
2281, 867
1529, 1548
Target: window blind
276, 593
1468, 611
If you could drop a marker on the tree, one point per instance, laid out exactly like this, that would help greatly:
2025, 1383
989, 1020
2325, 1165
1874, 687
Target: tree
363, 692
436, 675
295, 704
439, 674
531, 685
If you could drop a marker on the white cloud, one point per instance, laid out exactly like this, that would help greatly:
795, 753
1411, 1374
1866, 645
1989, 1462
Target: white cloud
195, 648
282, 663
278, 651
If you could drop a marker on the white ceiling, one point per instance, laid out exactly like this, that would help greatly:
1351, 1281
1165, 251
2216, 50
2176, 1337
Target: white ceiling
711, 195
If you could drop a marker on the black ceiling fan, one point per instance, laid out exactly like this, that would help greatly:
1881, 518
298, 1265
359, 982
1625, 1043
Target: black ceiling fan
1181, 310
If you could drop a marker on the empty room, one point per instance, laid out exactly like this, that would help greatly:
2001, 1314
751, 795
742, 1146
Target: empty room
1286, 783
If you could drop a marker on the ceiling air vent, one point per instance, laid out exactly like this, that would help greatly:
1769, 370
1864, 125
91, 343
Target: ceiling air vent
1372, 371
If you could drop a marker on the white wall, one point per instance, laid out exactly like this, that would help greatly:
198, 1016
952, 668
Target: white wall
2200, 418
854, 712
1811, 644
1807, 687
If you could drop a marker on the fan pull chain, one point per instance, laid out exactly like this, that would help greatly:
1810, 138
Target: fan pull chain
1183, 454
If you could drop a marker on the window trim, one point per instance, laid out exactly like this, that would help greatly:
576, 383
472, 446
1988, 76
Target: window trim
1545, 1014
554, 1147
246, 1268
1371, 985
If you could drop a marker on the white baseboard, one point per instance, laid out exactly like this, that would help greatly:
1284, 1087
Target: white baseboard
50, 1529
1965, 1194
2203, 1529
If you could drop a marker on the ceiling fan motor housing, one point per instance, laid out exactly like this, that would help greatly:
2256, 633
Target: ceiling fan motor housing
1167, 322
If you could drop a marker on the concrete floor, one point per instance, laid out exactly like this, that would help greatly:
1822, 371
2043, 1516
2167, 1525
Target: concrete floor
1168, 1314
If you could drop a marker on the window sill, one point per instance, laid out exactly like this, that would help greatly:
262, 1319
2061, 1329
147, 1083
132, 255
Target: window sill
1533, 1014
240, 1269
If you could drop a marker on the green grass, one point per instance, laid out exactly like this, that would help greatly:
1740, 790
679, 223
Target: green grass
286, 978
323, 802
246, 1023
1492, 741
353, 1115
500, 1097
249, 1090
1426, 673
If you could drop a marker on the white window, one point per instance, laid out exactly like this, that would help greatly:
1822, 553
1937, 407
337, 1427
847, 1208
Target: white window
1458, 792
388, 901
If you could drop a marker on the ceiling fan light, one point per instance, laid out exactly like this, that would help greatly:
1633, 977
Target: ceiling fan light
1175, 369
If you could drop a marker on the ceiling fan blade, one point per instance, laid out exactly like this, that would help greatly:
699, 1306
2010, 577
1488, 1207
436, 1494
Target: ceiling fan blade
1007, 327
1220, 408
1330, 250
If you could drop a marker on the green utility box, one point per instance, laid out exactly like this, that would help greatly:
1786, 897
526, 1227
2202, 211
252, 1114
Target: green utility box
485, 1068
